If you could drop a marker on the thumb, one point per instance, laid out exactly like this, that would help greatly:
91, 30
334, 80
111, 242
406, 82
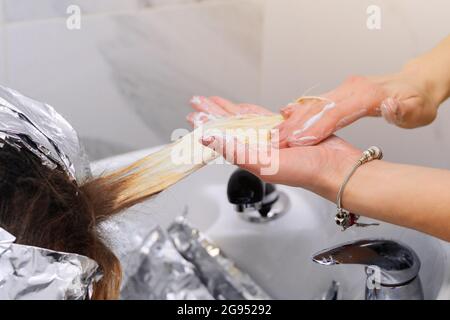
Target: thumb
408, 113
390, 110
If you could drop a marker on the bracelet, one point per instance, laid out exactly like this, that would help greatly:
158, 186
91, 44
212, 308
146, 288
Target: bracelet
345, 218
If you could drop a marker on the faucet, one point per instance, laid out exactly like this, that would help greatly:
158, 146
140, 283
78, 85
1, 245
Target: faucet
392, 268
255, 200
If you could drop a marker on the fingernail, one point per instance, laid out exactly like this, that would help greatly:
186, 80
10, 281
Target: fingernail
290, 106
197, 99
207, 140
389, 110
287, 111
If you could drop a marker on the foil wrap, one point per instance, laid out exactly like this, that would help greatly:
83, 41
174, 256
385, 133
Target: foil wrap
180, 264
28, 272
39, 128
31, 273
220, 275
158, 272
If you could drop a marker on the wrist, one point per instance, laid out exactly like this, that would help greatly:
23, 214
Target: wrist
359, 187
429, 80
330, 182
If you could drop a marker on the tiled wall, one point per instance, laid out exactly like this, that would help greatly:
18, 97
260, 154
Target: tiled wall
124, 79
29, 10
317, 44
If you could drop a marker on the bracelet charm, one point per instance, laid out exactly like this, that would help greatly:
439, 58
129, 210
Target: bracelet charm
345, 218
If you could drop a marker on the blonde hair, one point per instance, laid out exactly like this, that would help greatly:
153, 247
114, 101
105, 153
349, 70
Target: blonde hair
44, 208
158, 171
120, 189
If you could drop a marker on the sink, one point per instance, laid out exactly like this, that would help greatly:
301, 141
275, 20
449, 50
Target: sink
277, 254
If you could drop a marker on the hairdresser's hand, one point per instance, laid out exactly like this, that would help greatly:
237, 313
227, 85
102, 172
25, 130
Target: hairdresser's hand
319, 168
216, 107
402, 99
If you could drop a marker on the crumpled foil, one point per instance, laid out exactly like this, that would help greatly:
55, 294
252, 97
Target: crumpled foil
220, 275
31, 273
39, 128
183, 265
158, 272
28, 272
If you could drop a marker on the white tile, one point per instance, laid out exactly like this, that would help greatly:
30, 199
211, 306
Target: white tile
161, 58
1, 12
126, 79
2, 47
153, 3
3, 75
66, 69
318, 44
26, 10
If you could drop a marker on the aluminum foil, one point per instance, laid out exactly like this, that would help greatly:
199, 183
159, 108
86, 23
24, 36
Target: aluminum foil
28, 272
39, 128
31, 273
158, 272
220, 275
184, 266
175, 264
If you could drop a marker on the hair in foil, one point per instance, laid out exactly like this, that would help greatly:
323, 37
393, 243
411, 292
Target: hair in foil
156, 172
46, 208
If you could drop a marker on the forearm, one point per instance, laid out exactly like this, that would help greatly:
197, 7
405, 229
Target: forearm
432, 71
410, 196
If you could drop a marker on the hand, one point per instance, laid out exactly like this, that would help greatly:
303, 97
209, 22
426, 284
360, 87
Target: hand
320, 168
400, 98
216, 107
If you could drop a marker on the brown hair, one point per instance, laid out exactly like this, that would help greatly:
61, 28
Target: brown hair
44, 208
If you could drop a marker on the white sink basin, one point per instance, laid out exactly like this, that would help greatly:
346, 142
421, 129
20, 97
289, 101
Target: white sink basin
277, 254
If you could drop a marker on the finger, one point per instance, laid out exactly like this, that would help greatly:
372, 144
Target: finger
301, 102
248, 108
205, 105
390, 110
221, 146
295, 122
234, 152
335, 95
323, 124
288, 110
196, 119
352, 85
294, 113
226, 105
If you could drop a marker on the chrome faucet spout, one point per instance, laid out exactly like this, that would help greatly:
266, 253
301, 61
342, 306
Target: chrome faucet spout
392, 264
